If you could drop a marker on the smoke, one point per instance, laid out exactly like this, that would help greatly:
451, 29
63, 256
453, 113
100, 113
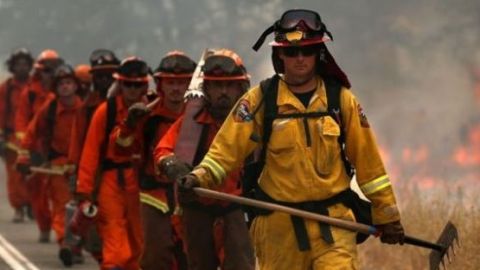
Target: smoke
410, 62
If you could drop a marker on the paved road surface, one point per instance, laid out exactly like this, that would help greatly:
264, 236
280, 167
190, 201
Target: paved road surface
19, 249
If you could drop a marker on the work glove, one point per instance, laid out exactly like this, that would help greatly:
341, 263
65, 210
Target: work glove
135, 113
391, 233
23, 165
173, 168
186, 194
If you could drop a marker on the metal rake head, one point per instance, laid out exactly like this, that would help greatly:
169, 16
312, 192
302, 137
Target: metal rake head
447, 239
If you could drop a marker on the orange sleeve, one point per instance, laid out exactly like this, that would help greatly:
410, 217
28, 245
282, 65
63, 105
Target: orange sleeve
77, 136
166, 145
91, 150
34, 133
23, 116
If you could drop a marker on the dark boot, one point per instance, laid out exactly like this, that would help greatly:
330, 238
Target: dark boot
44, 237
18, 216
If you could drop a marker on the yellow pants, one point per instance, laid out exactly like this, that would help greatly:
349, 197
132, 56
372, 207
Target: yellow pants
276, 247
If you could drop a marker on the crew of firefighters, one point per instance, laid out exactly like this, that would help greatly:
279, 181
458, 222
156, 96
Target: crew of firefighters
109, 164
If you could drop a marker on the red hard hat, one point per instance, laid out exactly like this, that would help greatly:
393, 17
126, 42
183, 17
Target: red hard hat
132, 69
223, 65
176, 64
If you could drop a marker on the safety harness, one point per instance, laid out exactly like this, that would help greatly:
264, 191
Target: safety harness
350, 199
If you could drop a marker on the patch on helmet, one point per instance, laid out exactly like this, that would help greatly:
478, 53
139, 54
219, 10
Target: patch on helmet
363, 118
242, 111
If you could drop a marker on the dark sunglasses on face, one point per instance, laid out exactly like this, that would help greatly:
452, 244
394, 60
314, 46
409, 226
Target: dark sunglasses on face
296, 51
134, 84
47, 70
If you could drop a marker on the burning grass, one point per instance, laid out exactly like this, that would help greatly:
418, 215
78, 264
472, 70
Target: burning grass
424, 216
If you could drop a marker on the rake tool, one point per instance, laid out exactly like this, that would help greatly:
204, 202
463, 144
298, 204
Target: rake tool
440, 249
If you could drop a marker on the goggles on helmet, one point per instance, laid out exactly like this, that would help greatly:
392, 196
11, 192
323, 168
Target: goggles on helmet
219, 67
308, 23
292, 18
176, 64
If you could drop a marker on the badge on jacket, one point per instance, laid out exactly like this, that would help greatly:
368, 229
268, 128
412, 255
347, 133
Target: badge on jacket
363, 118
242, 112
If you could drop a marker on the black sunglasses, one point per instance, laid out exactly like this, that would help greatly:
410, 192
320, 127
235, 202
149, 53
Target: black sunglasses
134, 84
296, 51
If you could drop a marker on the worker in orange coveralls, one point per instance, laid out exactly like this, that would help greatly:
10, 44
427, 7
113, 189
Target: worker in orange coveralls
82, 72
118, 197
225, 80
49, 134
103, 63
31, 99
19, 64
163, 248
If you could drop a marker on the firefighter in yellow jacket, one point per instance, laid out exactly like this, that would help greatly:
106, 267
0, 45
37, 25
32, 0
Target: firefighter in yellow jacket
308, 147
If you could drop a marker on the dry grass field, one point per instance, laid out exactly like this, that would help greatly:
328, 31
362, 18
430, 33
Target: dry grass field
424, 216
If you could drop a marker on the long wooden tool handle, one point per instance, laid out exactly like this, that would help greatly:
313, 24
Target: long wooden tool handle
47, 171
345, 224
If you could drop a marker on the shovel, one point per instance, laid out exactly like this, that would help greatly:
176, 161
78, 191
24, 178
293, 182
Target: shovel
440, 249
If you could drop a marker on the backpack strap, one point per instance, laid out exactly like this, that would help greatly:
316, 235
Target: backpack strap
269, 88
49, 129
334, 89
31, 97
150, 131
111, 115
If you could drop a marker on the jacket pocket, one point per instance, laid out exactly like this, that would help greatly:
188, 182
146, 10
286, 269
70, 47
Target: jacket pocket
327, 151
284, 135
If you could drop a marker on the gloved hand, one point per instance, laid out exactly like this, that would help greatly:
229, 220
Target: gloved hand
135, 113
173, 168
392, 233
23, 165
186, 194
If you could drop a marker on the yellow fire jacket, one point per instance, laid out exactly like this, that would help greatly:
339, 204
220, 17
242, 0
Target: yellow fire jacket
295, 169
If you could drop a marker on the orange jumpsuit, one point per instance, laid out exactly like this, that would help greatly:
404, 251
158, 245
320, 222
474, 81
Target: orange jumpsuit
229, 233
10, 91
31, 99
157, 197
55, 149
118, 201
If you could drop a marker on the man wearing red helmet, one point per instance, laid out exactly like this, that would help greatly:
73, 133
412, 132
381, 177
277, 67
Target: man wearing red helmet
106, 175
33, 96
19, 64
313, 131
225, 80
49, 135
163, 247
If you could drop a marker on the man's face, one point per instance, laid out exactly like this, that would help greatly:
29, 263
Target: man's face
298, 62
102, 79
223, 95
21, 68
174, 88
46, 75
66, 87
133, 91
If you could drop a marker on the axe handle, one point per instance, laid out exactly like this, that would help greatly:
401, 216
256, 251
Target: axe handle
344, 224
47, 171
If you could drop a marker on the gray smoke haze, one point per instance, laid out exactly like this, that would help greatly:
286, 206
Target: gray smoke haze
410, 62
